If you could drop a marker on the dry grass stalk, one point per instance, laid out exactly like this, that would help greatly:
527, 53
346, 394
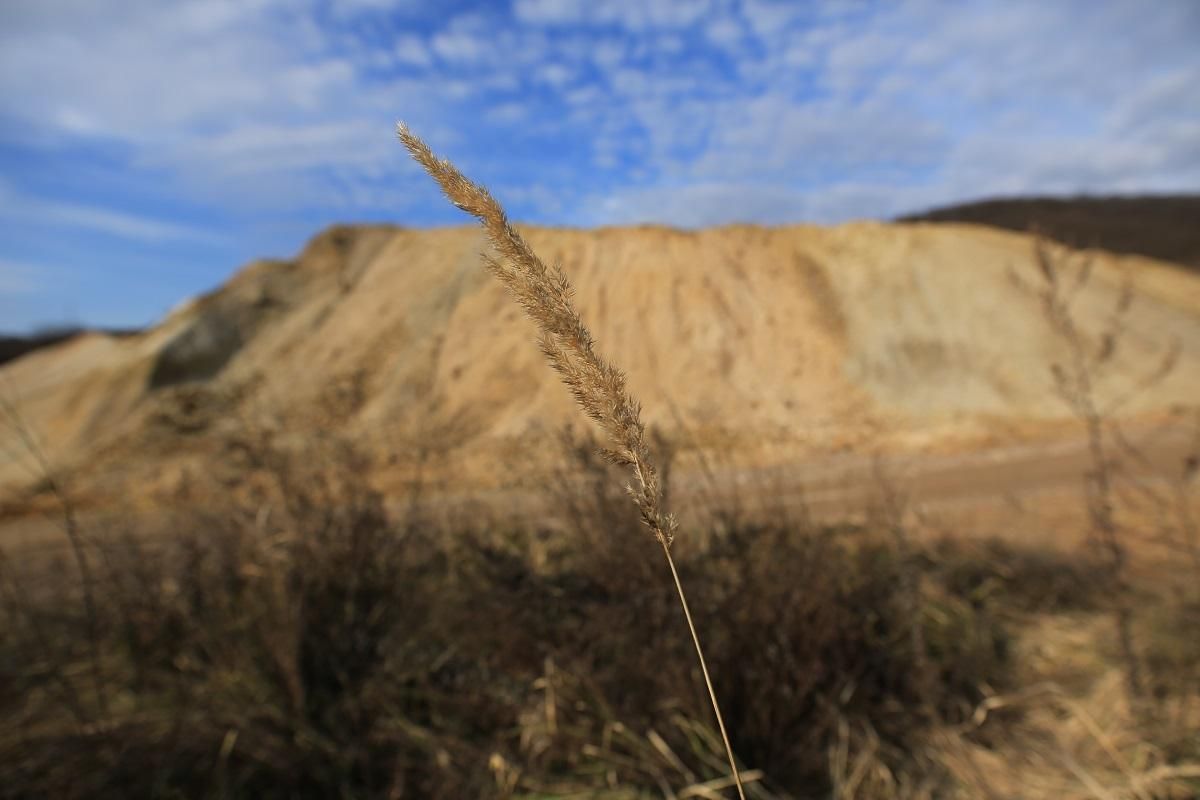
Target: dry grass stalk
1077, 381
598, 386
11, 415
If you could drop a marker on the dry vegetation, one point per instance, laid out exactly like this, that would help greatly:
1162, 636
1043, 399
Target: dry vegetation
299, 643
305, 645
297, 639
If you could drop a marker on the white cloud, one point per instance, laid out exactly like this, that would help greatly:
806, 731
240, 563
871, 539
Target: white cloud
548, 200
20, 278
826, 109
262, 148
697, 205
1162, 96
355, 8
771, 19
776, 133
633, 15
411, 49
555, 75
117, 223
551, 12
143, 69
640, 15
169, 83
461, 46
725, 32
507, 113
918, 106
608, 53
21, 207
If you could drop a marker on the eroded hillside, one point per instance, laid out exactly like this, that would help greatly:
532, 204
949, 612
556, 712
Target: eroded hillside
766, 343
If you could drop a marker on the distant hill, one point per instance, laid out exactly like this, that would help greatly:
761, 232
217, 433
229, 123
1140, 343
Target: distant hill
13, 347
1165, 227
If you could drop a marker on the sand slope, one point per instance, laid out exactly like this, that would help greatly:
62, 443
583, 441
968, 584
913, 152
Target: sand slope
754, 340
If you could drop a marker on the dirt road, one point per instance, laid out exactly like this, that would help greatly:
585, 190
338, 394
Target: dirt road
1024, 489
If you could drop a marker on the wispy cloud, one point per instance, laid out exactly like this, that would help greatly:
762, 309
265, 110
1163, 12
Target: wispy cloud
280, 112
18, 278
17, 206
242, 97
633, 15
116, 223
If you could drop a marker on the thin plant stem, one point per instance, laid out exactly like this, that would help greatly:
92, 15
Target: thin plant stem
712, 694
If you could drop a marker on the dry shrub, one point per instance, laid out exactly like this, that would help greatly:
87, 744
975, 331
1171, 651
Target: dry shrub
816, 631
287, 652
299, 644
1172, 655
809, 631
1015, 577
1088, 362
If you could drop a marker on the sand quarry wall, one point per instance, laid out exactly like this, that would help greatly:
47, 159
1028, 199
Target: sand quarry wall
764, 341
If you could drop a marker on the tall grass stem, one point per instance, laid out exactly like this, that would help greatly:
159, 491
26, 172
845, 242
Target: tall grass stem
712, 694
597, 385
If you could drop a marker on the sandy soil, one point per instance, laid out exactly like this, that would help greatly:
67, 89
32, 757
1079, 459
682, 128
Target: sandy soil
1026, 493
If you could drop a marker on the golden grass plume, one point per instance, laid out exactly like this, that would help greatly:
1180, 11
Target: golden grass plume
546, 295
598, 387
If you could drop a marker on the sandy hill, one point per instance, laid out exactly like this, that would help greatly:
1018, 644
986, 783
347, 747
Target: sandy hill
765, 342
1166, 227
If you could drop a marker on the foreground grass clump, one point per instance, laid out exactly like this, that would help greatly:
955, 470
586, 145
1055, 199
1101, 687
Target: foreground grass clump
301, 644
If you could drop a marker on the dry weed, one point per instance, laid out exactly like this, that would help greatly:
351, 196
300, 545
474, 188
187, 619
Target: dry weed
597, 385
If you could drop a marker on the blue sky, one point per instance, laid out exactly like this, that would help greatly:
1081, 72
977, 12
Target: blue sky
148, 149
